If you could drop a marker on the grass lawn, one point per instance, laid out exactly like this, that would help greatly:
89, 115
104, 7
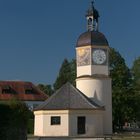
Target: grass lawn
131, 138
127, 139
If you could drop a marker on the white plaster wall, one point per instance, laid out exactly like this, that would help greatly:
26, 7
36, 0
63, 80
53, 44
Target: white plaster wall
84, 70
38, 125
92, 69
52, 130
95, 88
94, 125
68, 127
100, 90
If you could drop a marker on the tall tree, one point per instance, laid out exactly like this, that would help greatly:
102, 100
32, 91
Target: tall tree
121, 89
46, 89
73, 72
136, 87
66, 74
136, 75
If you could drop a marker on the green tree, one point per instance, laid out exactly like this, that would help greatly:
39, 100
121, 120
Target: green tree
67, 73
46, 89
136, 87
18, 120
73, 72
4, 120
121, 89
136, 75
14, 120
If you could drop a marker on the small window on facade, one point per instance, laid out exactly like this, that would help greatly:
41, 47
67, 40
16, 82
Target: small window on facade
6, 90
90, 21
28, 89
55, 120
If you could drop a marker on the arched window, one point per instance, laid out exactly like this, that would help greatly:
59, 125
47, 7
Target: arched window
90, 21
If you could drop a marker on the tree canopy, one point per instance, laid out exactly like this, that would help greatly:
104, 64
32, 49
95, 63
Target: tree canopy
136, 87
121, 89
46, 89
14, 120
136, 75
67, 73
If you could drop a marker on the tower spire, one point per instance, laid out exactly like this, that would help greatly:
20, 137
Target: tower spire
92, 4
92, 16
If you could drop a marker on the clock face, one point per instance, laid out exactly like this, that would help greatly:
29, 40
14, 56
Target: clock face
83, 56
99, 56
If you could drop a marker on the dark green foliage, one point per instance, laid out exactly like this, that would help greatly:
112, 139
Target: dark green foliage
120, 73
46, 89
73, 72
121, 89
14, 121
67, 73
4, 120
136, 75
30, 126
136, 87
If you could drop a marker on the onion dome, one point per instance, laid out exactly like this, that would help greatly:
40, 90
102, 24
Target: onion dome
92, 38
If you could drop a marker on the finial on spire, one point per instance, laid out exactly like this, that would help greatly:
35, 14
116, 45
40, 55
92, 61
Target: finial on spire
92, 17
92, 2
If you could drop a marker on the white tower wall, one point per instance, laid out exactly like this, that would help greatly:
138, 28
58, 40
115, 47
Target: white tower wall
92, 55
99, 89
90, 70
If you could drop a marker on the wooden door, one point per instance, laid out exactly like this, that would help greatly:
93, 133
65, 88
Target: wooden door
81, 125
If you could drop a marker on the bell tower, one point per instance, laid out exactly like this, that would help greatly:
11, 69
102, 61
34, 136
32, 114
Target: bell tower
92, 48
92, 57
92, 16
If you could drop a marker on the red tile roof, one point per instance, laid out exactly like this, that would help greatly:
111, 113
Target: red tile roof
20, 90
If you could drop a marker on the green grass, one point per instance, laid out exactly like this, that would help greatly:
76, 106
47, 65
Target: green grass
126, 138
131, 138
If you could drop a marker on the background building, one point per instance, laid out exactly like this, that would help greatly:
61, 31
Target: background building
23, 91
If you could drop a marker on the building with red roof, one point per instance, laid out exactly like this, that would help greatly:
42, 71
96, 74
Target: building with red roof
23, 91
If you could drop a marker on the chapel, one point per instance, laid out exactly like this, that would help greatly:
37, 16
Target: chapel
84, 110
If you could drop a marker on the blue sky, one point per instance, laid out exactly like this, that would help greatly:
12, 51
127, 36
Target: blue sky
36, 35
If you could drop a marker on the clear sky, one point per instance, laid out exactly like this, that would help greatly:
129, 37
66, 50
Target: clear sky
36, 35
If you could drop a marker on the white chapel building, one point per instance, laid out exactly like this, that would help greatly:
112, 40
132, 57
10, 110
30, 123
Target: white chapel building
84, 111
